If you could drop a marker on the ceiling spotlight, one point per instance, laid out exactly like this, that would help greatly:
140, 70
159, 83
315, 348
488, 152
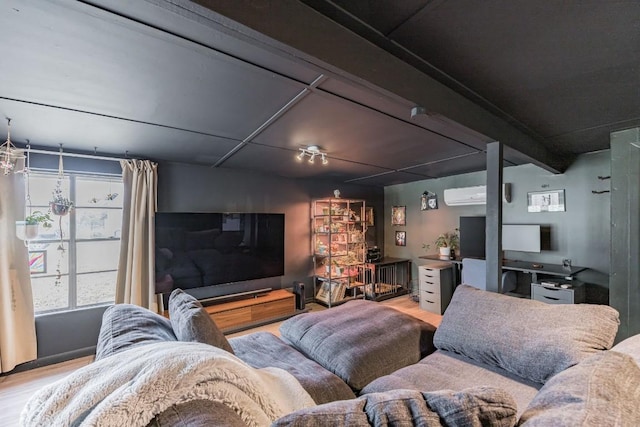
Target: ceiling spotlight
312, 152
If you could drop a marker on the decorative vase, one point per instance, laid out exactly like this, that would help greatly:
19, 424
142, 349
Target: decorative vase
445, 251
59, 209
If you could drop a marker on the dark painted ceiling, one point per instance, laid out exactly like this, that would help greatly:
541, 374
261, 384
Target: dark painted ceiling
244, 84
565, 72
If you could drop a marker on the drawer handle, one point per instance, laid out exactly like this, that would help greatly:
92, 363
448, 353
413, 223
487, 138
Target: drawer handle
429, 292
551, 298
430, 302
552, 289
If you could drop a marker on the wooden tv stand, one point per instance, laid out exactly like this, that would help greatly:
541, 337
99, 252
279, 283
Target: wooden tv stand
250, 312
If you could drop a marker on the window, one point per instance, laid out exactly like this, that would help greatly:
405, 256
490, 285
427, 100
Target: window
74, 263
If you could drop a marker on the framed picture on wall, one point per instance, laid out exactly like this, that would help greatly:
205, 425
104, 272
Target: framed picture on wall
37, 262
545, 201
399, 215
428, 201
401, 238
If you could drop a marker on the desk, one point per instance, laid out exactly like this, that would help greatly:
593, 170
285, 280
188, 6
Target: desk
529, 267
534, 268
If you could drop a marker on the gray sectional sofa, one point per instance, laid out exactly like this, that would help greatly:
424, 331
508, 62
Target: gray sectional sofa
494, 360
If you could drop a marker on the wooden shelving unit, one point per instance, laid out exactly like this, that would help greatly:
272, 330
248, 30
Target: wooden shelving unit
338, 230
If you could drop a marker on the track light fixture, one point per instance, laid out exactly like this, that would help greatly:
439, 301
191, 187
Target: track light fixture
312, 151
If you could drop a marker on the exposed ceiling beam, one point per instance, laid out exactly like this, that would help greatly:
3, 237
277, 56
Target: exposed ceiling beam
302, 32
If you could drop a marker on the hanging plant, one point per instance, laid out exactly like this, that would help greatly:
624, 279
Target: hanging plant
60, 205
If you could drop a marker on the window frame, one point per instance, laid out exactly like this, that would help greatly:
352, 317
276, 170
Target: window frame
71, 240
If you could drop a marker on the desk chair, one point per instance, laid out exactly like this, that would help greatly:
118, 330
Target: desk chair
474, 273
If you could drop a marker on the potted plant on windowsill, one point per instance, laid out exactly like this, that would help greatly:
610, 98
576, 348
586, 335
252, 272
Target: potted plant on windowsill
28, 229
447, 242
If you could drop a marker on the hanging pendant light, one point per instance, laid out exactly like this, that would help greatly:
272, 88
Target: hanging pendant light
9, 154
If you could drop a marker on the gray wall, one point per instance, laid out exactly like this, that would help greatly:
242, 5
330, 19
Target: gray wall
188, 188
581, 233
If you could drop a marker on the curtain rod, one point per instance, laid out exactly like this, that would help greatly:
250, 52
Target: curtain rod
66, 154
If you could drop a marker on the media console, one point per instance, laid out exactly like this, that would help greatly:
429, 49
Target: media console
240, 314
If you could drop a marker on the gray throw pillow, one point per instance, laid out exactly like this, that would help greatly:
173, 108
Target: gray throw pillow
126, 326
481, 406
531, 339
192, 323
602, 390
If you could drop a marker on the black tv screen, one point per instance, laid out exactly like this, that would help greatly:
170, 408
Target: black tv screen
195, 250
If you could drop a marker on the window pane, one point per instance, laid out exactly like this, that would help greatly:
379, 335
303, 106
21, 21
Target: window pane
95, 256
47, 295
98, 223
95, 243
46, 258
97, 192
41, 187
96, 288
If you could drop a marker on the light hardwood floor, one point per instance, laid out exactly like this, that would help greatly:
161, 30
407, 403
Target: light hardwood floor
16, 389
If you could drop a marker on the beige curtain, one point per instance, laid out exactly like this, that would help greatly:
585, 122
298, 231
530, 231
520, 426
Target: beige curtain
17, 321
135, 282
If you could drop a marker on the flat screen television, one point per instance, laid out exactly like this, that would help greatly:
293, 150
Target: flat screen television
199, 250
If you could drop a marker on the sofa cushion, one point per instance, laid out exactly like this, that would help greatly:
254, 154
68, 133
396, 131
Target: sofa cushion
192, 323
360, 341
445, 370
126, 326
198, 413
472, 407
630, 346
602, 390
263, 349
528, 338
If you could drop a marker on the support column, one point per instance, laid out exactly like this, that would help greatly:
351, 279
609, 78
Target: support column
493, 248
624, 277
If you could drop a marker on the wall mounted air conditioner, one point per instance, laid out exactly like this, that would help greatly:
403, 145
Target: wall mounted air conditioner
473, 195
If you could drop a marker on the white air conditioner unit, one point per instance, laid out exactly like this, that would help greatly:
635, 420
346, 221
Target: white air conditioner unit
473, 195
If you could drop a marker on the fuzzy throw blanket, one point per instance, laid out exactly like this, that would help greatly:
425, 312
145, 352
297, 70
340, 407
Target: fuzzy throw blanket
131, 387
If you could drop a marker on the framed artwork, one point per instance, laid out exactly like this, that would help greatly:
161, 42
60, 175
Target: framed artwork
37, 262
545, 201
399, 215
428, 201
401, 238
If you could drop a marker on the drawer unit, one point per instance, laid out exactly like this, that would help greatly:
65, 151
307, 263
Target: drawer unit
556, 294
435, 282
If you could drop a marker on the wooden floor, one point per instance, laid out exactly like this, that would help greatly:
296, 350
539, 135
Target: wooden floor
16, 389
